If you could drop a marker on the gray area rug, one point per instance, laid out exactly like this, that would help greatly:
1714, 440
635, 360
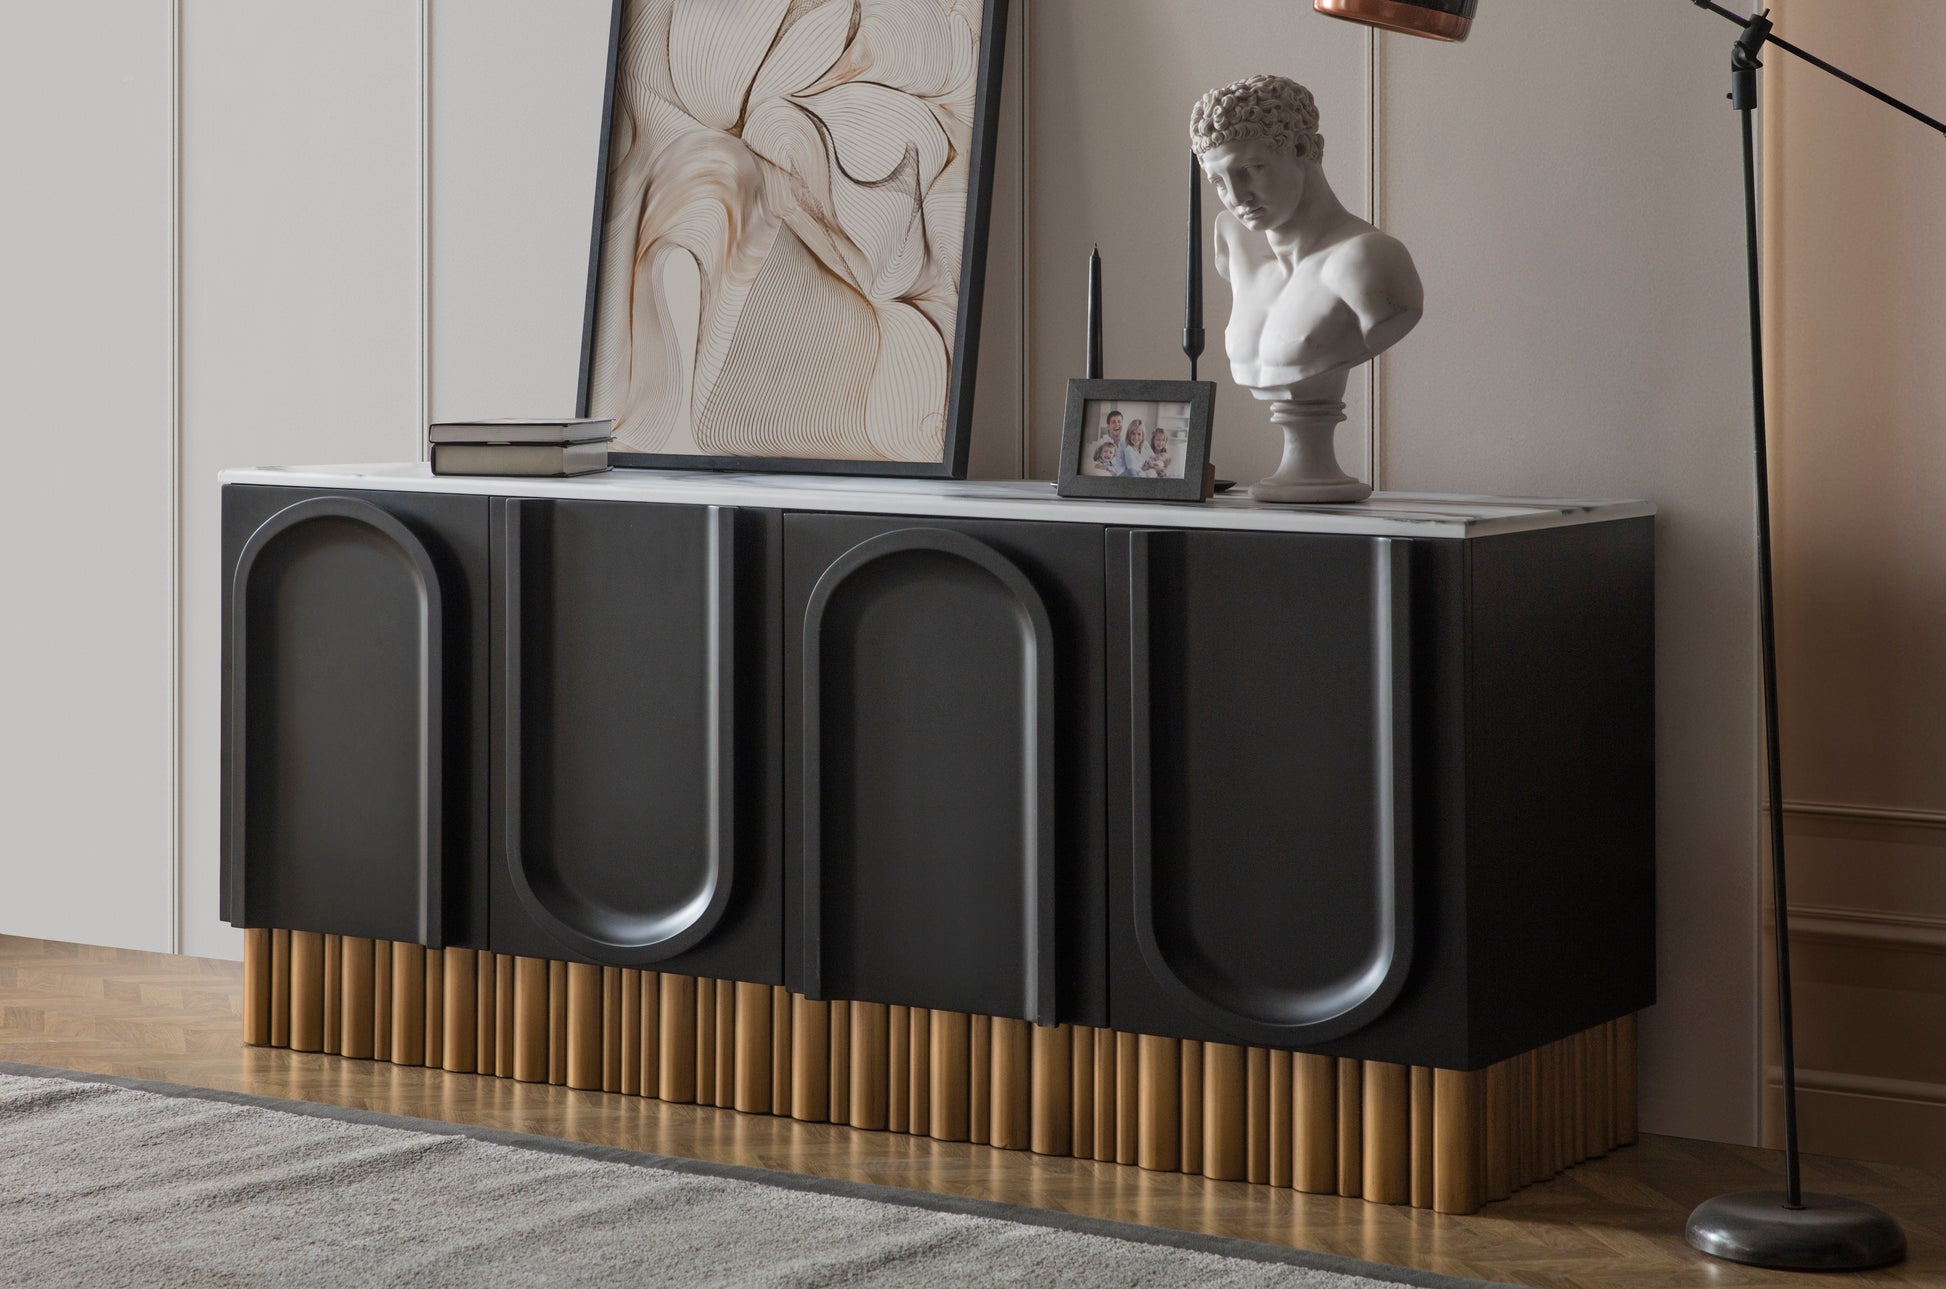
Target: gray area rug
122, 1182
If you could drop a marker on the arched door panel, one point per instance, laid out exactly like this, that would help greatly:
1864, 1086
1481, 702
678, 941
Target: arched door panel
1267, 803
940, 679
617, 817
343, 708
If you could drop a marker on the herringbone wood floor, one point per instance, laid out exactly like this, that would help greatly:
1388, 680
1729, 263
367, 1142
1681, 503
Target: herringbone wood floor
1614, 1222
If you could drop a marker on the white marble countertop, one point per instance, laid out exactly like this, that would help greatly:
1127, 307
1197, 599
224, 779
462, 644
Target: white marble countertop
1385, 514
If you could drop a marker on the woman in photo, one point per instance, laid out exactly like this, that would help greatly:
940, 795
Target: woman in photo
1158, 464
1135, 451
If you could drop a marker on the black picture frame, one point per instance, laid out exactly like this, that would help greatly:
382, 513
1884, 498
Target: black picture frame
956, 441
1077, 438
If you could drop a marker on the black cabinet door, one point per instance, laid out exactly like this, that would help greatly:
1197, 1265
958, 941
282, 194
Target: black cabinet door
634, 812
1260, 796
944, 812
354, 713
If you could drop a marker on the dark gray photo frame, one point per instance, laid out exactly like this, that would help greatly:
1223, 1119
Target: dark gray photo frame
1076, 440
964, 348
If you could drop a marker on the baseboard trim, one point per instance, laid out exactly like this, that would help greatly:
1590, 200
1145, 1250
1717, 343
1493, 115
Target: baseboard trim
1873, 1086
1863, 1116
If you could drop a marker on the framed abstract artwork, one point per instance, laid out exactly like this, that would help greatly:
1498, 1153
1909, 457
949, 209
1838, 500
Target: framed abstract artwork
790, 233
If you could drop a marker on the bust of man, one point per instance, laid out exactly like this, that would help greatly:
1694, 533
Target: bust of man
1316, 290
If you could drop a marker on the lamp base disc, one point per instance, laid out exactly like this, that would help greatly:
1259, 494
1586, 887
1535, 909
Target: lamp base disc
1829, 1233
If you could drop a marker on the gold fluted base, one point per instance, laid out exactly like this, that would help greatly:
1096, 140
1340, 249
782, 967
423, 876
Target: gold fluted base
1447, 1140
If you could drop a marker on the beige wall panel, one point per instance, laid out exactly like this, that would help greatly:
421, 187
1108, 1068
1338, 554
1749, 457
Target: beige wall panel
1108, 144
300, 318
1857, 264
1857, 267
86, 312
1578, 224
516, 89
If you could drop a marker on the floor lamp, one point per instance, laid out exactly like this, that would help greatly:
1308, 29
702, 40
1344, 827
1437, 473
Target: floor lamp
1787, 1229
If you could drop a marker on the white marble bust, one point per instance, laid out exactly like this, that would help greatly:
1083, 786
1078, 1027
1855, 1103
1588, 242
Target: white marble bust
1316, 290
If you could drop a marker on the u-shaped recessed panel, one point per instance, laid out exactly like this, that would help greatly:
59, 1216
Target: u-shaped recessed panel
337, 692
1269, 781
927, 778
616, 781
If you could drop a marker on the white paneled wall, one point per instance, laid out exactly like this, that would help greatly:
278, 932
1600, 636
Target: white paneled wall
516, 101
86, 564
384, 212
301, 308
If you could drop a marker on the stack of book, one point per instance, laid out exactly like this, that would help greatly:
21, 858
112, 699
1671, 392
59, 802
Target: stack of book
512, 446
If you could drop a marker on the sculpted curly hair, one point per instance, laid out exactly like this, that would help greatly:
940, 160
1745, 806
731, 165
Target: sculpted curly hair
1259, 107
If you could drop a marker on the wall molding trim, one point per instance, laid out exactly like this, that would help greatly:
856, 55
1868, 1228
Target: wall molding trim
1867, 928
1867, 813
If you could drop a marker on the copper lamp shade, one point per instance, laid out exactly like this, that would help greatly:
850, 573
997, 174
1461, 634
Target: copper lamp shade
1438, 19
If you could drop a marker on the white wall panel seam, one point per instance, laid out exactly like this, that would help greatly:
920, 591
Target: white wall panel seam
425, 222
1022, 225
1375, 209
175, 849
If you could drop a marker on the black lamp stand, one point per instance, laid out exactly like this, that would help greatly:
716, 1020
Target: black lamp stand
1786, 1229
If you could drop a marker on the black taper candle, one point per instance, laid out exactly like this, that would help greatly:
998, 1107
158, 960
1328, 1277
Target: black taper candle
1093, 371
1192, 317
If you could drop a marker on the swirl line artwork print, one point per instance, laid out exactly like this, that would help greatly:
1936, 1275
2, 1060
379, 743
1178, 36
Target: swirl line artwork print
783, 232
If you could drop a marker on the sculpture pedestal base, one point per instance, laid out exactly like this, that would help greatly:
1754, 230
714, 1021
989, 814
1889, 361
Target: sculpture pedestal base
1309, 472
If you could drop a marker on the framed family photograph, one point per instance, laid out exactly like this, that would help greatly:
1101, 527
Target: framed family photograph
1137, 440
790, 233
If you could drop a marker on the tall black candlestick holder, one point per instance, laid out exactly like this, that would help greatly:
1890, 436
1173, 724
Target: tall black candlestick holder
1093, 368
1192, 312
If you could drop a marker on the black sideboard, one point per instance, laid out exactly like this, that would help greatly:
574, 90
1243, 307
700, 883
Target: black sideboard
1373, 782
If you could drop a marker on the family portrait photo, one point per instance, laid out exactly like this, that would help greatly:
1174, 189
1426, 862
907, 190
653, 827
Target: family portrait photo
1137, 440
1131, 440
